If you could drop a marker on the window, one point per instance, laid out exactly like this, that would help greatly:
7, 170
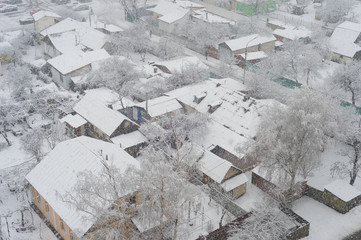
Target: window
47, 207
72, 236
62, 225
39, 199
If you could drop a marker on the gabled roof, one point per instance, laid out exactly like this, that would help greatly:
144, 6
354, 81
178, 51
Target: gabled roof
248, 41
95, 111
169, 11
254, 55
237, 111
72, 61
40, 14
293, 33
343, 39
57, 174
160, 106
129, 139
74, 121
213, 166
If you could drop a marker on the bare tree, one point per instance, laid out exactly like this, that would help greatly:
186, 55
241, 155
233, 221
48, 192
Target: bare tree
115, 74
334, 10
265, 222
20, 80
134, 39
33, 143
350, 134
348, 78
167, 49
290, 139
189, 74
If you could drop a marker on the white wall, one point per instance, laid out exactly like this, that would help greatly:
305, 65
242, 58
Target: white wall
44, 23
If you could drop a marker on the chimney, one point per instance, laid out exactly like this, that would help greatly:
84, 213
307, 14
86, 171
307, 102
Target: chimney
207, 15
106, 157
101, 152
218, 85
155, 70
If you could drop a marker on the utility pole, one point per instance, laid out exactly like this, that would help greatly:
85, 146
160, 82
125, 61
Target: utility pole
245, 59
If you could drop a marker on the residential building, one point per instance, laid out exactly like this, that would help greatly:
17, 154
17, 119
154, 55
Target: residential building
55, 177
44, 19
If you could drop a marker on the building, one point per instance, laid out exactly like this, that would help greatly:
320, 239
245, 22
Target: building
221, 174
44, 19
345, 42
284, 32
169, 14
252, 43
104, 122
155, 108
72, 64
69, 36
75, 125
57, 174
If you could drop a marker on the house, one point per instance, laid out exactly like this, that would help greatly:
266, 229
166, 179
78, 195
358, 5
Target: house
103, 122
251, 57
70, 35
345, 42
169, 15
75, 125
57, 174
205, 16
44, 19
251, 8
131, 142
251, 43
108, 28
155, 108
72, 64
222, 174
286, 32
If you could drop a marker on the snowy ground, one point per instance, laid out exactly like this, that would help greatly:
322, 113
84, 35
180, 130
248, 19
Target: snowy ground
14, 165
326, 223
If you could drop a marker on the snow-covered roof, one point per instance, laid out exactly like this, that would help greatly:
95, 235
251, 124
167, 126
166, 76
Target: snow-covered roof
74, 121
213, 166
254, 55
108, 27
129, 139
210, 17
237, 112
109, 97
40, 14
169, 11
343, 39
178, 64
57, 174
72, 61
248, 41
62, 26
97, 112
234, 182
174, 16
160, 106
343, 190
293, 33
189, 4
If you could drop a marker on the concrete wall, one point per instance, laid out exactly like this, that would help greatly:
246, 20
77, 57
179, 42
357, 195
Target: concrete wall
231, 172
340, 58
44, 23
239, 191
49, 50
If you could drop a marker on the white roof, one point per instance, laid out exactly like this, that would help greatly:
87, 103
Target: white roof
212, 165
62, 26
169, 11
57, 174
293, 33
109, 97
40, 14
71, 61
160, 105
129, 139
175, 16
234, 182
189, 4
237, 112
254, 55
251, 40
210, 17
95, 111
74, 120
343, 190
178, 64
343, 39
